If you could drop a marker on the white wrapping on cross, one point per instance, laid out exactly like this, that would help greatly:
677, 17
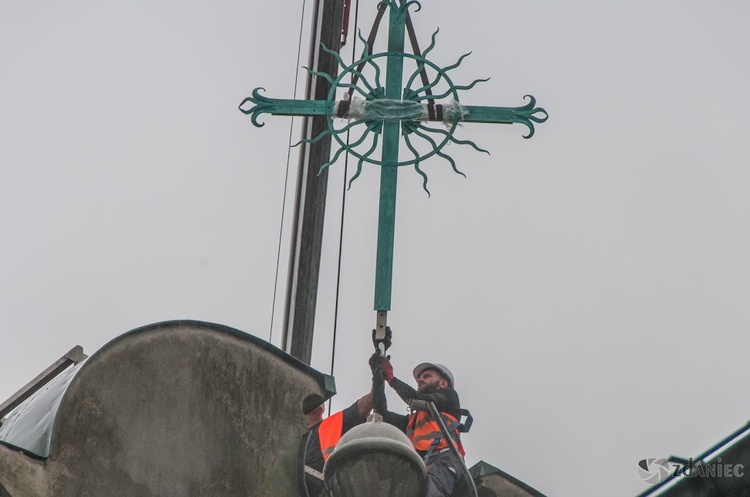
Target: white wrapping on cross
399, 110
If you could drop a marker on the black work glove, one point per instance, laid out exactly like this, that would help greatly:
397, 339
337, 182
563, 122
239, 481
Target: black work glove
379, 402
375, 364
387, 341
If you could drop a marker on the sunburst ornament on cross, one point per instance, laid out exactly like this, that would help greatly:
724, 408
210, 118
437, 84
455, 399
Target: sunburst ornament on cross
391, 114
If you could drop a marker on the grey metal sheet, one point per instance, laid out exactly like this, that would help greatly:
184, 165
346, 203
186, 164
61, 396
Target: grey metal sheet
29, 426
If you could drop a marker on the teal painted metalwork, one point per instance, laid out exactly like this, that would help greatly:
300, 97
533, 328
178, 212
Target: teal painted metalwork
374, 115
522, 115
389, 172
371, 108
281, 107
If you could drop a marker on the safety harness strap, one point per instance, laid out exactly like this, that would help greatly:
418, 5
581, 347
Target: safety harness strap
435, 441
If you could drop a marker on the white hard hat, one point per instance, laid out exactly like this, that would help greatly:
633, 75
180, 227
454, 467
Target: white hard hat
445, 372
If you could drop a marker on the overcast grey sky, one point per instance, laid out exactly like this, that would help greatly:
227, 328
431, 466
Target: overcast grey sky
588, 287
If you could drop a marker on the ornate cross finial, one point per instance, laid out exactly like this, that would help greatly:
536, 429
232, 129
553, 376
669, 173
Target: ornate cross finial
423, 114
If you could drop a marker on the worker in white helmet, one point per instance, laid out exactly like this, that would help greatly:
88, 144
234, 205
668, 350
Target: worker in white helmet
435, 383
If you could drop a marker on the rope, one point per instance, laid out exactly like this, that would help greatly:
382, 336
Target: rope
422, 72
343, 107
341, 225
286, 175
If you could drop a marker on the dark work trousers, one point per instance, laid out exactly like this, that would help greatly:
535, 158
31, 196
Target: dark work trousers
443, 473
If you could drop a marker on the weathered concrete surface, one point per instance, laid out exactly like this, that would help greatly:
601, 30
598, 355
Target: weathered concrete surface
20, 475
182, 409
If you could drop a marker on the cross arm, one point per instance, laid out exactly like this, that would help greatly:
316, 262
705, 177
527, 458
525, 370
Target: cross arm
526, 115
282, 107
388, 110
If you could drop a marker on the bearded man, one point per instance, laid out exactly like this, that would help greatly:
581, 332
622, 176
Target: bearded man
435, 383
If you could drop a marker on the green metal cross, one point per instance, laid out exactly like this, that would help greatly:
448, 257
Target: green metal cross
395, 112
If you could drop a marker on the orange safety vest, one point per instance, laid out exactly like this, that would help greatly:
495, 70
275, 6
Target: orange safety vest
422, 430
329, 433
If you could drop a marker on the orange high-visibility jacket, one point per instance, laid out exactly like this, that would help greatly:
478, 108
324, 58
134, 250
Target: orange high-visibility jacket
329, 433
422, 430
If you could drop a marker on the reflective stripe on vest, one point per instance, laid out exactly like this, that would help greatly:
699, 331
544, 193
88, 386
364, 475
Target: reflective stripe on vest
329, 433
422, 430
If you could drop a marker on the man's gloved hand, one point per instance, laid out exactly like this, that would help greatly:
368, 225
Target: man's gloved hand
380, 365
387, 368
387, 341
374, 362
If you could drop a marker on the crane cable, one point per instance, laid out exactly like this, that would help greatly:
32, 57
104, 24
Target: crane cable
341, 224
286, 175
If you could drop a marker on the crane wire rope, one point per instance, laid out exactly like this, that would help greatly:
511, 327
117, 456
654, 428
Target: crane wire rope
286, 175
341, 224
